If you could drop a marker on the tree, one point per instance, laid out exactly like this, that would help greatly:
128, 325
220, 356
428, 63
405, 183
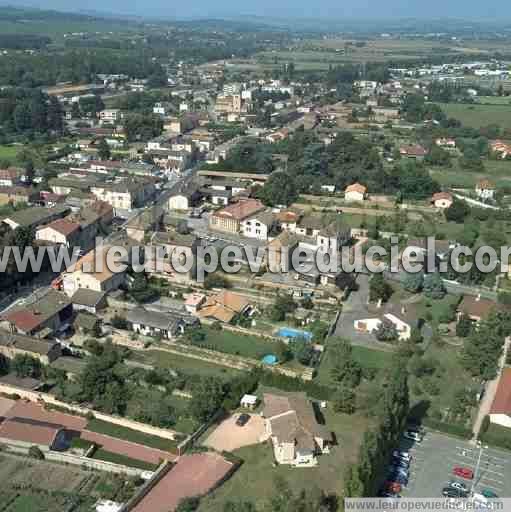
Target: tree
283, 352
208, 395
103, 149
188, 504
216, 281
464, 326
35, 453
302, 351
344, 400
434, 286
458, 211
416, 336
4, 365
119, 322
280, 189
345, 370
284, 304
379, 289
413, 282
55, 115
239, 506
386, 331
24, 365
29, 172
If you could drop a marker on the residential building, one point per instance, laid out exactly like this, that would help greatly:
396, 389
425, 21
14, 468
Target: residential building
39, 315
355, 192
333, 236
485, 190
12, 344
413, 151
291, 424
442, 200
60, 231
155, 323
35, 216
500, 412
194, 302
229, 219
446, 143
17, 195
110, 116
502, 149
92, 272
280, 251
11, 176
288, 220
88, 300
477, 308
125, 195
185, 199
225, 306
258, 226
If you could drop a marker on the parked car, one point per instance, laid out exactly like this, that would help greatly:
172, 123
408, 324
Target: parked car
449, 492
413, 436
394, 487
242, 420
402, 463
463, 472
488, 493
397, 469
458, 485
399, 478
402, 455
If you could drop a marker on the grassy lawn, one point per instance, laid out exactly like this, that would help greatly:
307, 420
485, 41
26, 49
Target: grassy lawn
117, 458
477, 116
184, 423
366, 357
128, 434
184, 364
9, 153
432, 310
498, 171
254, 480
237, 344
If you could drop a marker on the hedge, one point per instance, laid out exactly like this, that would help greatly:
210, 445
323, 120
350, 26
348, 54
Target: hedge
279, 381
448, 428
497, 435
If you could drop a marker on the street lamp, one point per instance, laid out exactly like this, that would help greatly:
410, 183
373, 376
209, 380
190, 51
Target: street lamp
481, 448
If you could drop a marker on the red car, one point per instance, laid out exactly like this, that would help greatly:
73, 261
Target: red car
393, 487
466, 473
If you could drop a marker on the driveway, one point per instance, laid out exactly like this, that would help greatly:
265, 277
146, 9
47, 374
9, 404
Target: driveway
229, 437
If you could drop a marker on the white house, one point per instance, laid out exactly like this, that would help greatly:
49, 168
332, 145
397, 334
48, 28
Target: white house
258, 226
485, 190
111, 116
355, 192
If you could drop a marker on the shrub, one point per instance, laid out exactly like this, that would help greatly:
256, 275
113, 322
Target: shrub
36, 453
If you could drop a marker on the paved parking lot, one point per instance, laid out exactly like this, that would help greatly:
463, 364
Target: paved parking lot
434, 459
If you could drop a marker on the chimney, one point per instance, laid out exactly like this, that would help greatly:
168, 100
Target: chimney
379, 303
478, 298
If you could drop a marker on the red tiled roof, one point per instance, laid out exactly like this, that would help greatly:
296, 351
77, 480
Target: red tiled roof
241, 210
356, 187
502, 401
485, 185
413, 150
441, 195
29, 431
63, 226
24, 320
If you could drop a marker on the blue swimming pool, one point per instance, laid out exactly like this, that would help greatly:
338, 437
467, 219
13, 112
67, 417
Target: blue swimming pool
287, 332
269, 359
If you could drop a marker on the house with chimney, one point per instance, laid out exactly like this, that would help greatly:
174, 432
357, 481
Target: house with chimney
297, 437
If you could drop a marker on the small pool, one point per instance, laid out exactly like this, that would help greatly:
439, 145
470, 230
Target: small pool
270, 359
287, 332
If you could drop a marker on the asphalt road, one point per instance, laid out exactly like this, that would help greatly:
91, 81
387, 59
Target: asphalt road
437, 455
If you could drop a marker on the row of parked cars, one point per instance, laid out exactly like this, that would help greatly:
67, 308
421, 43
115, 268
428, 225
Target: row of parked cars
399, 468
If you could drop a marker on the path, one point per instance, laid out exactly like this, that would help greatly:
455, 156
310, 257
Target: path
489, 395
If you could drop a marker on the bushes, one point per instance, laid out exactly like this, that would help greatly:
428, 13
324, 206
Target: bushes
317, 391
495, 435
448, 428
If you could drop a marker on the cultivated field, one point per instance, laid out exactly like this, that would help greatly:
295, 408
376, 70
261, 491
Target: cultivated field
477, 116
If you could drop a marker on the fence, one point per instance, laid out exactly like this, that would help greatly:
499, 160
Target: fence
45, 398
76, 460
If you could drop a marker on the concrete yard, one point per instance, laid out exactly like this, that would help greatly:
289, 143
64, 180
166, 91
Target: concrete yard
228, 436
437, 455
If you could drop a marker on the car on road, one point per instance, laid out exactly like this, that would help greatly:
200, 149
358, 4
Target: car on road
463, 472
242, 420
413, 436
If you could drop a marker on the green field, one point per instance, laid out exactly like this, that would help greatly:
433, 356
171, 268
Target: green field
183, 364
128, 434
9, 153
477, 116
117, 458
255, 479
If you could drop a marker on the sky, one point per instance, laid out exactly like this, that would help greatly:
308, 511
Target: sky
490, 9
